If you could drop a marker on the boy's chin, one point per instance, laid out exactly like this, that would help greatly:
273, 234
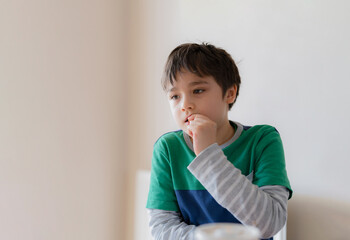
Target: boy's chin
186, 131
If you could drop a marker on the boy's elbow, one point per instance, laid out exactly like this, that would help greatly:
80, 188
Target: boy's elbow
273, 228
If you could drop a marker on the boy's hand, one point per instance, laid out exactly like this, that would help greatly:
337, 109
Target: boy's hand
203, 132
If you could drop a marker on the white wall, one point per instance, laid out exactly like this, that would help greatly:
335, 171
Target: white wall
293, 57
61, 145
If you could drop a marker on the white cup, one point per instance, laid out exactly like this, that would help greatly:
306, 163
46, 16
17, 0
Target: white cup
226, 231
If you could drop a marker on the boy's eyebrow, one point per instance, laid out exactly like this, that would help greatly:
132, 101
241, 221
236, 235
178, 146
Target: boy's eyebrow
194, 83
172, 89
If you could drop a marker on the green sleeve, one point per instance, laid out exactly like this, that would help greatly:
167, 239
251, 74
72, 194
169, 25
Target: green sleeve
161, 193
270, 166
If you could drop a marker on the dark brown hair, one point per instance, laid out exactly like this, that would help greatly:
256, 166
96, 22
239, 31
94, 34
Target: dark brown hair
203, 60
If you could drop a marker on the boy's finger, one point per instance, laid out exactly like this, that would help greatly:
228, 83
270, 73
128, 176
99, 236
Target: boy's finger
196, 117
192, 117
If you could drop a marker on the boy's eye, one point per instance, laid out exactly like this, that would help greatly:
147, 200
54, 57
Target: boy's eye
174, 97
198, 91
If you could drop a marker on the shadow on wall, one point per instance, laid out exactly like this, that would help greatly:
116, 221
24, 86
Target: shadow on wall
311, 218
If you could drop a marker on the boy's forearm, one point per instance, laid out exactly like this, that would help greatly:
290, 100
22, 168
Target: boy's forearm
265, 208
168, 225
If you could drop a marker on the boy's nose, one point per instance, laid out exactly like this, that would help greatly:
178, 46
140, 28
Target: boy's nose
187, 104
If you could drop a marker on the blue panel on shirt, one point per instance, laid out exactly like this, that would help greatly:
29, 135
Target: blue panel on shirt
199, 207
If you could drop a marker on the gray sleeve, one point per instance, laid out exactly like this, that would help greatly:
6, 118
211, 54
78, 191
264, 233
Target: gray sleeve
168, 225
264, 208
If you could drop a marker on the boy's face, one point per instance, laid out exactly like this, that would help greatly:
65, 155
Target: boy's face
191, 94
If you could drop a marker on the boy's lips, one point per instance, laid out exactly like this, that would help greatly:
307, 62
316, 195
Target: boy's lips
186, 120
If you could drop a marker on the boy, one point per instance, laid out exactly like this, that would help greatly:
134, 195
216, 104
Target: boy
213, 169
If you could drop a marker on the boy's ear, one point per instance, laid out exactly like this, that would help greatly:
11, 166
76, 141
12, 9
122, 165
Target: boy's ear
231, 94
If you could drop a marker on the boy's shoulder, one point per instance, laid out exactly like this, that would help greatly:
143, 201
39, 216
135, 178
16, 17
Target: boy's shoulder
258, 132
259, 128
170, 137
171, 143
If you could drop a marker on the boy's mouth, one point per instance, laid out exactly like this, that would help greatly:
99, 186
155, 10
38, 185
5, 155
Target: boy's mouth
186, 121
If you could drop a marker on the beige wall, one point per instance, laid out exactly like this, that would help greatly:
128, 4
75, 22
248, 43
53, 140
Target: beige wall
148, 114
62, 120
323, 218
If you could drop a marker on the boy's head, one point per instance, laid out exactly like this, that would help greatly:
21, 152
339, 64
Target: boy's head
203, 60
